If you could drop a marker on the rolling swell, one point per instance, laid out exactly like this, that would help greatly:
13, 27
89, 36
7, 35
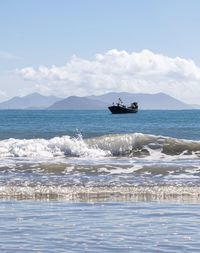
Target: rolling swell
128, 145
138, 145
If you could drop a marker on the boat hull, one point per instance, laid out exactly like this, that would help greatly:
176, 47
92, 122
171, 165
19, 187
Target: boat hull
119, 109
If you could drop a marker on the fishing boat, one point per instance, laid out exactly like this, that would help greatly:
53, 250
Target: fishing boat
119, 107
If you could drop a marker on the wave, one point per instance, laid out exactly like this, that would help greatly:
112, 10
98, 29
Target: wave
139, 144
136, 145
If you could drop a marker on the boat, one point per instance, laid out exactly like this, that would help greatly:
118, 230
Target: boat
121, 108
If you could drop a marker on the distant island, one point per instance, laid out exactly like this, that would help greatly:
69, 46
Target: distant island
158, 101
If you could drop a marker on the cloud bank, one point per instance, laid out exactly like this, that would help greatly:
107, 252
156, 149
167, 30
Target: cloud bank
116, 70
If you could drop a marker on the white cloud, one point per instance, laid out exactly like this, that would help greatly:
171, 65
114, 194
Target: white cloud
120, 71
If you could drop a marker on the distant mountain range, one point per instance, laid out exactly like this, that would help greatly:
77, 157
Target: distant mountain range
31, 101
145, 101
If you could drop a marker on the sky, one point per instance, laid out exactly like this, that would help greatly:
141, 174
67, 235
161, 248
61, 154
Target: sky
84, 47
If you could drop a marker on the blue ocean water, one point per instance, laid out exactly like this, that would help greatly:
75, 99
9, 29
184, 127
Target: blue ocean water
90, 181
47, 123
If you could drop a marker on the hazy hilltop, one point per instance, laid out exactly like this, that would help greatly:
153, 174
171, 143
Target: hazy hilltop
145, 101
31, 101
74, 102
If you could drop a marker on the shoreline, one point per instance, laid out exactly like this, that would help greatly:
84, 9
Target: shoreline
161, 193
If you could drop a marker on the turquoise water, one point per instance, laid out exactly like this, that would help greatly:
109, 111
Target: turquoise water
90, 181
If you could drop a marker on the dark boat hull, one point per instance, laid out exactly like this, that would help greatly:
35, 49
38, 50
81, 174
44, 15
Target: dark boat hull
119, 109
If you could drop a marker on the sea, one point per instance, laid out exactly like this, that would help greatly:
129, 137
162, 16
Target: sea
91, 181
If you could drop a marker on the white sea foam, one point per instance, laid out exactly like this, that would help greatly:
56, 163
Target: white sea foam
40, 148
135, 146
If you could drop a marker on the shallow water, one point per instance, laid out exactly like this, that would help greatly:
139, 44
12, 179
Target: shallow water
52, 226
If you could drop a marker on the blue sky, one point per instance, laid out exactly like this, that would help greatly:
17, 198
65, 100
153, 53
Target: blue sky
50, 32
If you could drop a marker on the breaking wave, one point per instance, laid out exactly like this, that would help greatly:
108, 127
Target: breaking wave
126, 145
